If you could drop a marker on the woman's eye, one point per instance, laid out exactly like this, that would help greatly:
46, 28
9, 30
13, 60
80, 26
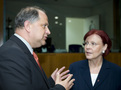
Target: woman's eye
93, 44
85, 43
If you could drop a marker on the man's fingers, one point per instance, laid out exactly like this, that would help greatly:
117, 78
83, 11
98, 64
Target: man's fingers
71, 85
71, 81
58, 78
67, 83
53, 75
65, 72
69, 77
61, 69
55, 70
64, 77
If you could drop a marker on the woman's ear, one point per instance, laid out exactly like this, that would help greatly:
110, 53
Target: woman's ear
27, 25
105, 47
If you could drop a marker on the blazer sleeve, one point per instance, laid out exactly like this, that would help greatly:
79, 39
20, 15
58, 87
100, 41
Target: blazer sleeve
51, 82
53, 86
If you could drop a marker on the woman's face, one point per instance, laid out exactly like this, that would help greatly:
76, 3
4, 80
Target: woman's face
94, 47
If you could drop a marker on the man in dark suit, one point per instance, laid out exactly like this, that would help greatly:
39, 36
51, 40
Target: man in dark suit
18, 68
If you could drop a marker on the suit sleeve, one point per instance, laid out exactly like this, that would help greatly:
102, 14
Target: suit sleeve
51, 82
53, 86
58, 87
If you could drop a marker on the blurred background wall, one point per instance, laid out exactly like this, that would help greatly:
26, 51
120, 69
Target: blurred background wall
108, 12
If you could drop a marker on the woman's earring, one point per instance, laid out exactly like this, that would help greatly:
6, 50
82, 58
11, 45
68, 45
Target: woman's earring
103, 51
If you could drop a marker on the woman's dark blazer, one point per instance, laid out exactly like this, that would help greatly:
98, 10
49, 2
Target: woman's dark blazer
109, 77
19, 70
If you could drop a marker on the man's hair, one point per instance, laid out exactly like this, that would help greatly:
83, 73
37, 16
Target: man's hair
29, 13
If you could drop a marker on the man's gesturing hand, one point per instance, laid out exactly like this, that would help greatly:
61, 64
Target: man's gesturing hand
67, 83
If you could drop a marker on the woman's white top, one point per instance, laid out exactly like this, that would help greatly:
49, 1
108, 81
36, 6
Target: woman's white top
93, 78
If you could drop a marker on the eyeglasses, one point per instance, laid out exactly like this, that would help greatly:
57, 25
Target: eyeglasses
93, 44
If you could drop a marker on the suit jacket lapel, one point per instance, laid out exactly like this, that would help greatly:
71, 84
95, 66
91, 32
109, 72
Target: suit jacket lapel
31, 58
41, 72
103, 74
86, 74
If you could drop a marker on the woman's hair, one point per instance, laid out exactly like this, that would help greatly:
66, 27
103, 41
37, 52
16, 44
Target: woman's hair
29, 13
105, 39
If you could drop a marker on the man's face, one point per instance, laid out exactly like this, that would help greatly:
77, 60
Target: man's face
39, 31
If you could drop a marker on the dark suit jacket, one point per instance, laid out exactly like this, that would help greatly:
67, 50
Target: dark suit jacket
19, 70
109, 77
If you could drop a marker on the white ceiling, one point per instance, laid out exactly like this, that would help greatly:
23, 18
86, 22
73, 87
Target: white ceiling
71, 3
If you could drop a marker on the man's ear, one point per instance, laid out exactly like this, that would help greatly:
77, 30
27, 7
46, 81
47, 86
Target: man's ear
27, 25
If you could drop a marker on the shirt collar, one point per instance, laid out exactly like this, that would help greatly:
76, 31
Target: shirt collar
25, 42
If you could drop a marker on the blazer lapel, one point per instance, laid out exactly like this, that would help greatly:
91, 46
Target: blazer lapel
86, 74
103, 74
41, 71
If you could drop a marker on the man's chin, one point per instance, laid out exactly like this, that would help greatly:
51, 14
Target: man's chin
40, 44
43, 43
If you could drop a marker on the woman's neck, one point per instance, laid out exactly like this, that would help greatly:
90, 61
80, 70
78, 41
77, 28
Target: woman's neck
95, 65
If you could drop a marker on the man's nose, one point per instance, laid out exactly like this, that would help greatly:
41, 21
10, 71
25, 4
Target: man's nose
48, 31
